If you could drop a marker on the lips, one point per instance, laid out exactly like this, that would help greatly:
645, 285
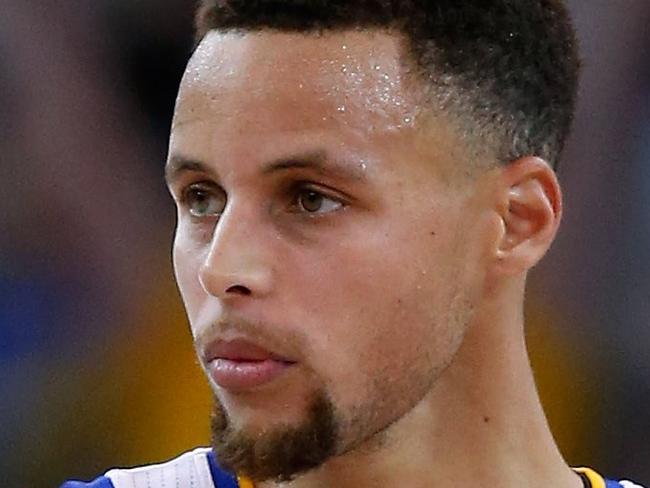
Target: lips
240, 350
240, 365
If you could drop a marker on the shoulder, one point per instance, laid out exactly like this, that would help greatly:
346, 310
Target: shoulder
196, 468
620, 484
629, 484
189, 469
595, 480
101, 482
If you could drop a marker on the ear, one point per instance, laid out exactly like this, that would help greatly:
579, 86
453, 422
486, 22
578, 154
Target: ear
530, 209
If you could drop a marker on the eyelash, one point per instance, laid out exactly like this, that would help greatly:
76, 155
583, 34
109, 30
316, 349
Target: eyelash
192, 190
299, 188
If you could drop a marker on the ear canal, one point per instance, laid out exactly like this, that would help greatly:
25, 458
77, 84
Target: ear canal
521, 220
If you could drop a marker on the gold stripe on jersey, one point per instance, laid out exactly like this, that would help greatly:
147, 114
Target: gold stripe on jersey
244, 482
595, 479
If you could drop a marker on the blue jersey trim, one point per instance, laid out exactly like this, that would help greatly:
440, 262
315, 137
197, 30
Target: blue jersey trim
612, 484
220, 477
101, 482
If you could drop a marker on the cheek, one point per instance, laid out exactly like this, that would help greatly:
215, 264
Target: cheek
379, 313
187, 257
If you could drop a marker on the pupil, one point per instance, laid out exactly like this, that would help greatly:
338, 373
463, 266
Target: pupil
312, 201
201, 202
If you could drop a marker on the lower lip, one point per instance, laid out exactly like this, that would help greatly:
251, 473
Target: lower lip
243, 375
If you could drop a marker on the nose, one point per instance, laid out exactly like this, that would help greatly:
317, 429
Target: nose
238, 263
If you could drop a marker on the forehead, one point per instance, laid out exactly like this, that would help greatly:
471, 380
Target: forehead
264, 96
355, 78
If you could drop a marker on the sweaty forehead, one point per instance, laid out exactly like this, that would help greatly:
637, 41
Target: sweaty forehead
358, 78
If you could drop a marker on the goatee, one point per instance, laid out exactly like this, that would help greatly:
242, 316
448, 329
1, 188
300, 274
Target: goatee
282, 452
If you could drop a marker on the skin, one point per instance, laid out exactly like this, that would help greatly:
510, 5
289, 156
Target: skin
401, 296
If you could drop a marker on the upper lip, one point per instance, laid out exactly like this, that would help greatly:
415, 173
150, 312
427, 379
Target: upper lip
240, 350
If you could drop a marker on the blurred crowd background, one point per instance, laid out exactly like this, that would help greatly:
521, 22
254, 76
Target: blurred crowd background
96, 365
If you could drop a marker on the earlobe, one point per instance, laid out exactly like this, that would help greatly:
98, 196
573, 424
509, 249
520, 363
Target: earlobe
530, 212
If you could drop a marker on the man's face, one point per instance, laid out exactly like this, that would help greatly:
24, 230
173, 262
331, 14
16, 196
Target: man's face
328, 249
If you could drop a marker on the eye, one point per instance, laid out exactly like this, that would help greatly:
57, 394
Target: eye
203, 201
314, 202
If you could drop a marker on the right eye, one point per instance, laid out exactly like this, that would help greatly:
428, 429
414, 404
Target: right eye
204, 202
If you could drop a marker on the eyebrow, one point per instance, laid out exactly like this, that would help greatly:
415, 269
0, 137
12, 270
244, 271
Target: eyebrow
177, 165
317, 161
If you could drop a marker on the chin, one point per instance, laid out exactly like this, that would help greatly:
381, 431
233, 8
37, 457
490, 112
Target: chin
279, 451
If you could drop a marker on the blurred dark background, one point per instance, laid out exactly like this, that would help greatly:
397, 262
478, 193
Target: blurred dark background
96, 366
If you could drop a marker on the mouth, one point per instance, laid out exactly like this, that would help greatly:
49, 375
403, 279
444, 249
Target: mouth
241, 365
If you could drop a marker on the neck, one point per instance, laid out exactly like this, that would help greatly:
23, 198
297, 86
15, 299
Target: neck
482, 423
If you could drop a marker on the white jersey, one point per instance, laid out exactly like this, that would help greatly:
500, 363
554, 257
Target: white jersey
190, 470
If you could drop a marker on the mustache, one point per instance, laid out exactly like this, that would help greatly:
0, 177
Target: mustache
264, 334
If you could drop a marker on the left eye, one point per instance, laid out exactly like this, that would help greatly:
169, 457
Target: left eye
314, 202
203, 202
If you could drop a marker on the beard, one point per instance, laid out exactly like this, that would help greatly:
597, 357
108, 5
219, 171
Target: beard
281, 453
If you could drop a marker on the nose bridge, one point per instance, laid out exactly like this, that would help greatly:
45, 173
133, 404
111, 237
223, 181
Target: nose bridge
237, 262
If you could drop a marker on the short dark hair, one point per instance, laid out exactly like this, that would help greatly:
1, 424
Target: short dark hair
508, 68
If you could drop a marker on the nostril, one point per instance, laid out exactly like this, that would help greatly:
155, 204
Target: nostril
238, 290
